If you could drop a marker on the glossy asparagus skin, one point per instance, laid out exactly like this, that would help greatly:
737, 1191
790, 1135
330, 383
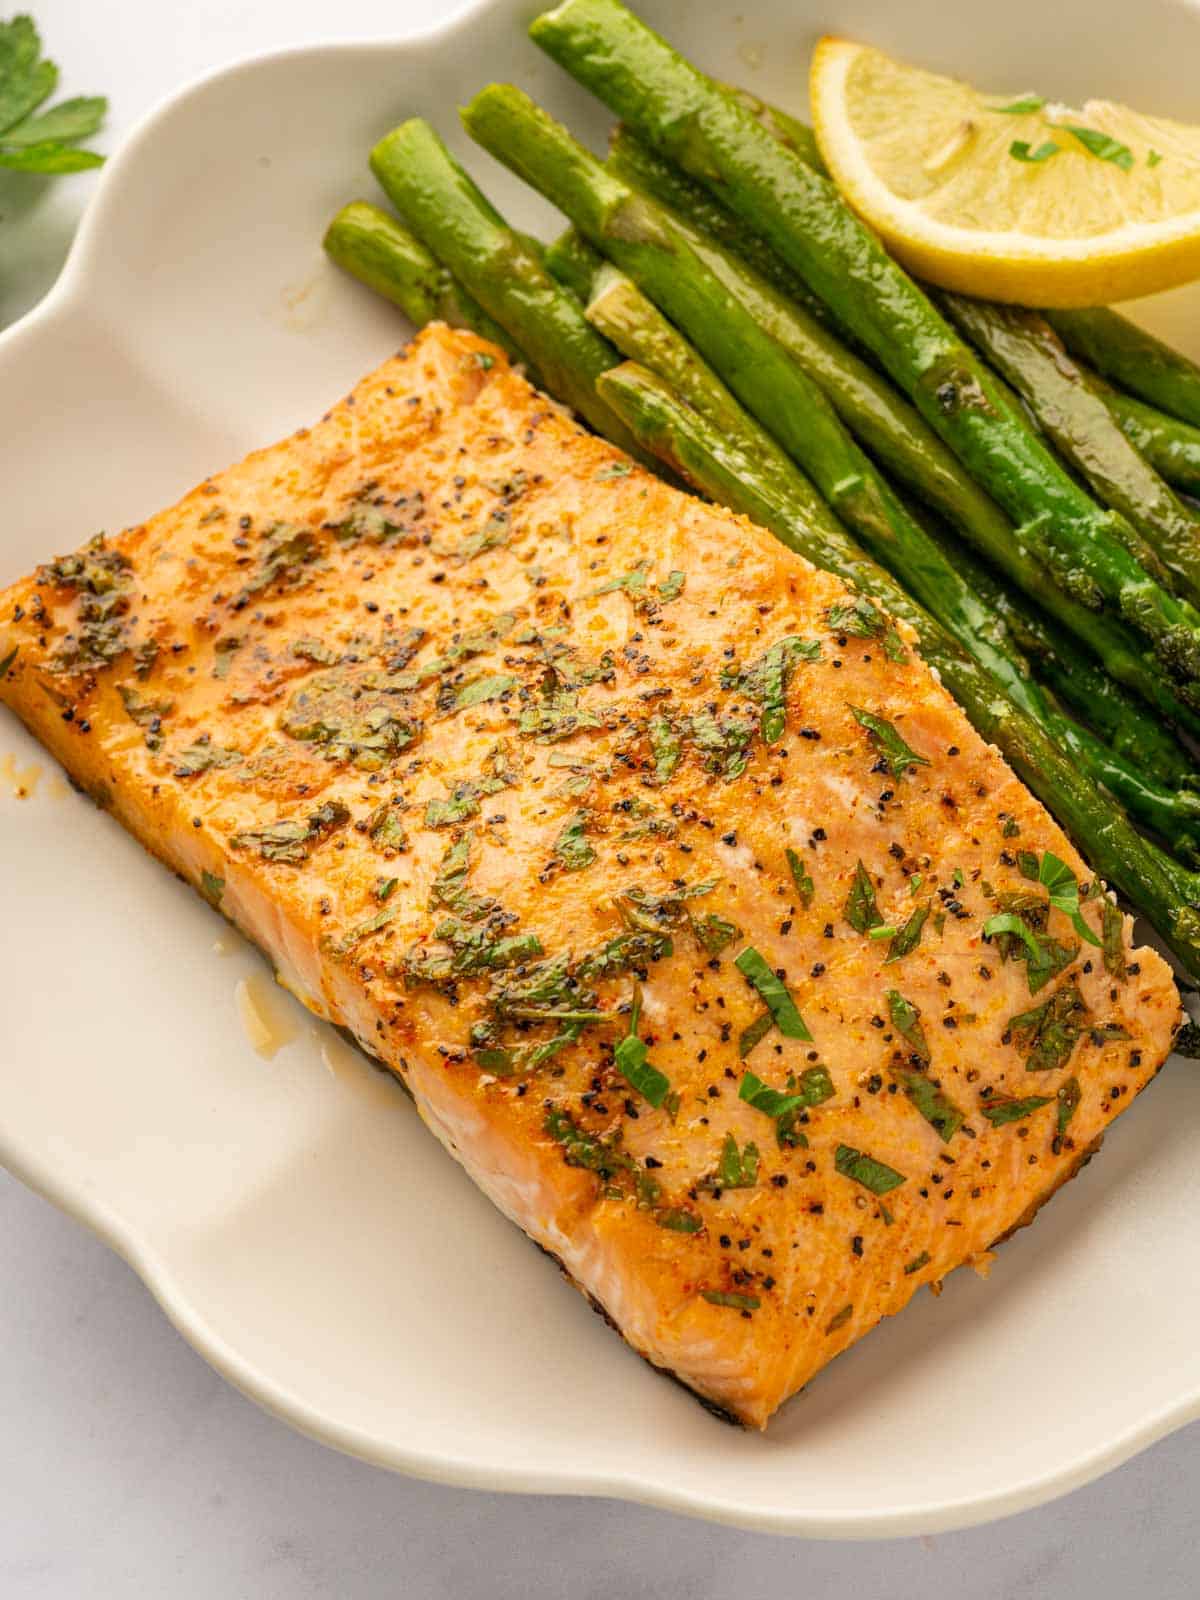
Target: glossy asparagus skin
715, 463
688, 117
956, 591
497, 267
371, 245
1025, 350
643, 168
1171, 447
574, 263
1132, 358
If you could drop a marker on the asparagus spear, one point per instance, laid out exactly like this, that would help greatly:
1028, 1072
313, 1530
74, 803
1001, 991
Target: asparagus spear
688, 117
497, 267
574, 263
1171, 447
1132, 358
884, 421
714, 462
1025, 349
642, 168
377, 250
958, 594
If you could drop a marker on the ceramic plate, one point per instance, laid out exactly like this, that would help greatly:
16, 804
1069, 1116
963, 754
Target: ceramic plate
291, 1214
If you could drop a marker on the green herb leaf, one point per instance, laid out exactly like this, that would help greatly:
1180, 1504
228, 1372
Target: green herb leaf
766, 681
725, 1297
1112, 932
212, 887
489, 688
873, 1175
66, 123
1068, 1097
754, 1034
1020, 107
571, 847
632, 1061
1051, 1031
679, 1220
365, 929
671, 587
1101, 145
906, 1019
861, 910
7, 662
1153, 158
897, 756
1045, 958
862, 619
1002, 1109
774, 994
839, 1319
1021, 150
801, 877
1063, 889
292, 840
939, 1111
917, 1263
736, 1169
909, 937
665, 746
814, 1087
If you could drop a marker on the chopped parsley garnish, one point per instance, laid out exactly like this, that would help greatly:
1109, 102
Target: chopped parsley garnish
6, 664
385, 828
1112, 936
727, 1297
571, 847
632, 1061
1015, 931
862, 619
202, 756
906, 1019
785, 1107
148, 714
1153, 158
1002, 1109
917, 1263
366, 929
765, 681
292, 840
678, 1219
839, 1319
1022, 150
873, 1175
909, 936
897, 756
773, 992
801, 877
861, 910
614, 469
1101, 145
723, 742
1061, 885
212, 887
1069, 1095
489, 688
1051, 1031
1020, 107
736, 1169
665, 746
939, 1111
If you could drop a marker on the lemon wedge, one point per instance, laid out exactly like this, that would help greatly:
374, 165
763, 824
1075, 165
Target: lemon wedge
1009, 197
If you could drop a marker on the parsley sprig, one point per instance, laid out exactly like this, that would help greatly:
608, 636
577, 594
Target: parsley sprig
31, 140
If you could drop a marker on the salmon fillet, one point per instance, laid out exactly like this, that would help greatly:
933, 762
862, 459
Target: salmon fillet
653, 862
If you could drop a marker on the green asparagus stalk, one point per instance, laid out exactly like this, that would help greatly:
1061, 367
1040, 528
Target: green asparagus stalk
955, 591
688, 117
1132, 358
714, 462
1025, 349
782, 126
497, 268
1171, 447
642, 168
886, 425
373, 247
574, 263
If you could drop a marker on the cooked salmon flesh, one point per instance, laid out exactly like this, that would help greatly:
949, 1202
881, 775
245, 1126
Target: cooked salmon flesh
654, 862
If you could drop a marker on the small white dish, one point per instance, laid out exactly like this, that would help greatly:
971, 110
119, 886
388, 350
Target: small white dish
297, 1224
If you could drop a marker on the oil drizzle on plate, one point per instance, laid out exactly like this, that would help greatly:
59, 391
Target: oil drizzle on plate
268, 1019
354, 1070
20, 781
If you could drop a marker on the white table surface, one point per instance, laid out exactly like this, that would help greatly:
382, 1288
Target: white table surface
127, 1467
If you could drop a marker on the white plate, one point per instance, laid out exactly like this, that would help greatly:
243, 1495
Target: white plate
299, 1226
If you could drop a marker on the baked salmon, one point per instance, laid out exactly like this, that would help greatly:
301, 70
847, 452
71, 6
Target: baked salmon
654, 862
